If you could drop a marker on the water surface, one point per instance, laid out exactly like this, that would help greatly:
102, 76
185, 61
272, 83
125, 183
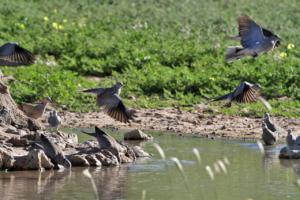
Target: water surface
251, 175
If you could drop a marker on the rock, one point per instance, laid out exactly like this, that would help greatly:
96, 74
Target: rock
137, 135
18, 142
287, 153
33, 125
107, 158
93, 161
5, 116
36, 159
78, 160
22, 132
12, 130
6, 159
139, 152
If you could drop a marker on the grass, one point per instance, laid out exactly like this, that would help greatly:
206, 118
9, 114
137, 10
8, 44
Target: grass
166, 52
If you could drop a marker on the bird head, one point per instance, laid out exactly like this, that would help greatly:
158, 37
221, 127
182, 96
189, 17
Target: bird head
276, 39
289, 131
118, 85
256, 86
267, 115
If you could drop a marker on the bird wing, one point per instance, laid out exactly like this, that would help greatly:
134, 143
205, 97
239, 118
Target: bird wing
248, 94
12, 54
94, 90
250, 32
114, 107
27, 108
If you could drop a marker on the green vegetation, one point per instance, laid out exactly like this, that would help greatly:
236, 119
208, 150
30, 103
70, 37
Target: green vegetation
166, 52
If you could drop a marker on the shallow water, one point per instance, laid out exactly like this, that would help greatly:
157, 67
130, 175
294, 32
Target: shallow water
250, 176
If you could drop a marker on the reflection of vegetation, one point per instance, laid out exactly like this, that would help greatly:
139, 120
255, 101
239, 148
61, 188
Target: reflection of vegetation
167, 52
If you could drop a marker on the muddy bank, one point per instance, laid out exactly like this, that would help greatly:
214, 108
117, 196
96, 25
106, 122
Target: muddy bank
201, 122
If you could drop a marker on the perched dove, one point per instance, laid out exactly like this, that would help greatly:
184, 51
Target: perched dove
290, 138
107, 142
109, 99
269, 137
54, 119
254, 40
35, 111
52, 151
245, 93
270, 124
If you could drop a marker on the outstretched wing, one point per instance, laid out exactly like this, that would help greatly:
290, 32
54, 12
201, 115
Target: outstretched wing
250, 32
248, 95
114, 107
12, 54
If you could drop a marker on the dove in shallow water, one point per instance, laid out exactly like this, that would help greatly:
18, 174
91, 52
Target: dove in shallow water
54, 119
109, 99
269, 137
245, 93
35, 111
270, 124
255, 40
290, 138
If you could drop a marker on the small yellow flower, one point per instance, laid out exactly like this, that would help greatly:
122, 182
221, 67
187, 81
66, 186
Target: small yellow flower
290, 46
22, 26
55, 25
283, 55
46, 19
65, 21
211, 78
60, 27
55, 11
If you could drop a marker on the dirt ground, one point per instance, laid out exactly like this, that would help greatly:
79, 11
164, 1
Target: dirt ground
201, 122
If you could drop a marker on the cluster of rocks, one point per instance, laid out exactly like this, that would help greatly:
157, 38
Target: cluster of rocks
36, 150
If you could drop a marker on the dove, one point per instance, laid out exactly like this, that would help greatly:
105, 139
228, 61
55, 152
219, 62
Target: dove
52, 151
107, 142
54, 119
245, 93
254, 39
35, 111
290, 138
109, 99
269, 137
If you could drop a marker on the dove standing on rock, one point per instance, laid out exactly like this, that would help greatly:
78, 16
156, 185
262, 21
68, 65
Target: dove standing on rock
107, 142
245, 93
52, 151
54, 119
290, 138
255, 40
35, 111
109, 99
269, 137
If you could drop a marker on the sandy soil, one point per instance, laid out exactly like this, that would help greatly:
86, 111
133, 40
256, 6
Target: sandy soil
201, 122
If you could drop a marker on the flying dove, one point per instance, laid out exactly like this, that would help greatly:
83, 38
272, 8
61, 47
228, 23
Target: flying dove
245, 93
255, 40
109, 99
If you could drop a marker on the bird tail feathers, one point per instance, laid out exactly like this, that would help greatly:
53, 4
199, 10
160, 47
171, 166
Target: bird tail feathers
234, 53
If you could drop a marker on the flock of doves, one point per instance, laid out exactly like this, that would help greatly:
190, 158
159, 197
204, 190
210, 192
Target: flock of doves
254, 40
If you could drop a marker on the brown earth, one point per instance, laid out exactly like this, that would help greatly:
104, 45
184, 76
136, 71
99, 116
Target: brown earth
201, 122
